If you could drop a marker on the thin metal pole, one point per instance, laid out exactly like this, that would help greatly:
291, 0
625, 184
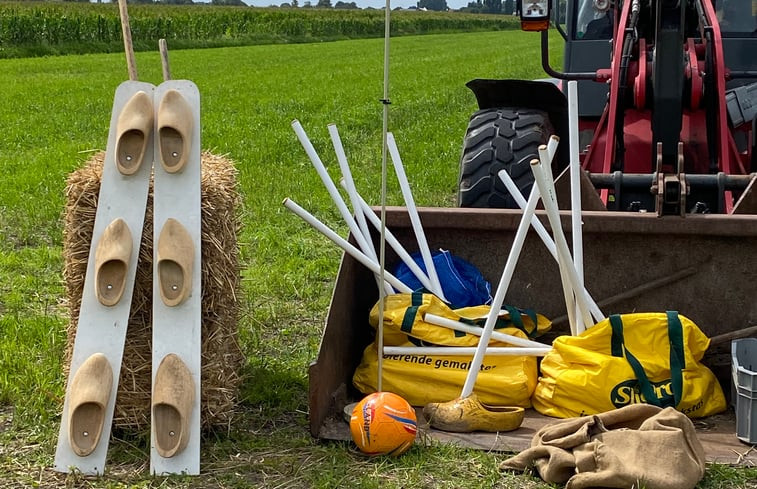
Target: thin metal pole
382, 238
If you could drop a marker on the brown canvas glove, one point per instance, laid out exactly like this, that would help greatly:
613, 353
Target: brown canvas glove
637, 444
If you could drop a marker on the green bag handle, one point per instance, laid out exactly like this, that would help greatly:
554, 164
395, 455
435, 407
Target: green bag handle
515, 320
416, 301
515, 317
677, 359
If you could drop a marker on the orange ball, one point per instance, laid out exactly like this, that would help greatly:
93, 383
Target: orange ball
383, 423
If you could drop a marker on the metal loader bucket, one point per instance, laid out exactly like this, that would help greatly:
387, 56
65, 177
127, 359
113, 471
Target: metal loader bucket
700, 265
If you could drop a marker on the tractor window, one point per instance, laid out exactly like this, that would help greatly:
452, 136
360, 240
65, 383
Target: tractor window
738, 18
594, 19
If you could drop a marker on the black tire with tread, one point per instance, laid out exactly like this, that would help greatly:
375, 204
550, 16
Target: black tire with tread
497, 139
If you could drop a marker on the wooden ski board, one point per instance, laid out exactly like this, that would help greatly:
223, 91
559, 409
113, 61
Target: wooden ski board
178, 329
102, 329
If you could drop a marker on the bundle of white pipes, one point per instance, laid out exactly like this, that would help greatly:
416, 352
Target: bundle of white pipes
365, 253
581, 308
579, 304
357, 225
583, 312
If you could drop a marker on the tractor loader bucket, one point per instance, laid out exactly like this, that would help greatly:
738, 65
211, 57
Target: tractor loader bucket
701, 265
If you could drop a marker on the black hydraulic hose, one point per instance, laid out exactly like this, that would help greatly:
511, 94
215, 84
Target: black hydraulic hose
628, 43
556, 74
707, 33
702, 18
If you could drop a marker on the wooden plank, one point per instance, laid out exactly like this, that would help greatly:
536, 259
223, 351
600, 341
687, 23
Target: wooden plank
716, 433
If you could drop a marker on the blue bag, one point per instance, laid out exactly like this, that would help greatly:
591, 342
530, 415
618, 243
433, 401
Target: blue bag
462, 283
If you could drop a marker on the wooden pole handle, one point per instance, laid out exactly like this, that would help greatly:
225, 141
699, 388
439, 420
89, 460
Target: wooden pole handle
131, 63
163, 48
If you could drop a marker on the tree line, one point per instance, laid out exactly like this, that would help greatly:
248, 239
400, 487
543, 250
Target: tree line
477, 7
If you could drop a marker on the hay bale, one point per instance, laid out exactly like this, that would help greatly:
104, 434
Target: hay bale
221, 355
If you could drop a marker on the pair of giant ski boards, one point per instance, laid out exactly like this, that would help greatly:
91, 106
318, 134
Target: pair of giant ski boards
152, 130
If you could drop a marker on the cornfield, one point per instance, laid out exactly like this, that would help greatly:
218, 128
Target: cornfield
58, 28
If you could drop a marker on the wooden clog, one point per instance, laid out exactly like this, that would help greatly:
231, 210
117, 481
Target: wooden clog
175, 259
468, 414
135, 123
112, 262
175, 124
172, 401
89, 394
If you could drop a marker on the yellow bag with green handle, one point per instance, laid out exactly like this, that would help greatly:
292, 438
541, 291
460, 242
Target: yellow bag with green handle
421, 379
404, 321
633, 358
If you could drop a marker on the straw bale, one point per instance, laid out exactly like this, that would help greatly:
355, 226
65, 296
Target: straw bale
221, 356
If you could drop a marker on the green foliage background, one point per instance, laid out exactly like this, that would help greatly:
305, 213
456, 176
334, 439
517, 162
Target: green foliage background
42, 28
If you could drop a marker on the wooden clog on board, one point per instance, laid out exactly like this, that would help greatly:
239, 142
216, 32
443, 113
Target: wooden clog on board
175, 258
172, 401
90, 393
175, 120
112, 262
135, 123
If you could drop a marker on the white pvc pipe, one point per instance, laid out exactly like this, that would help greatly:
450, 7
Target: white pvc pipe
347, 182
546, 155
366, 210
464, 351
563, 259
345, 245
413, 212
499, 296
575, 186
347, 176
596, 313
552, 143
567, 272
466, 328
333, 192
535, 222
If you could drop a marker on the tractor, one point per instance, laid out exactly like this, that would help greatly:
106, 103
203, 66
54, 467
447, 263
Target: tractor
667, 93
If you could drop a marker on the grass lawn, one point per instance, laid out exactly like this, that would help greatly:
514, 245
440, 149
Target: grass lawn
55, 113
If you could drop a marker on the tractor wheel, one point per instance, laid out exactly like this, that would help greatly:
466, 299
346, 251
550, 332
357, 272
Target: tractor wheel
496, 139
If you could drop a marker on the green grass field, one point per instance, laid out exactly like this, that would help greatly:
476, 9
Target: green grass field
55, 113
